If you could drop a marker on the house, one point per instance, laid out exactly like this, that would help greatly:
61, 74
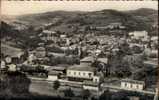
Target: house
3, 65
63, 36
52, 76
133, 85
92, 84
11, 54
12, 67
83, 72
134, 98
151, 53
139, 35
103, 60
40, 52
31, 58
58, 69
48, 35
88, 60
80, 72
152, 63
89, 85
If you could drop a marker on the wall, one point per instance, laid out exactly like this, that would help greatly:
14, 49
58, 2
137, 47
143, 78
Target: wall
132, 86
96, 79
52, 77
80, 74
90, 87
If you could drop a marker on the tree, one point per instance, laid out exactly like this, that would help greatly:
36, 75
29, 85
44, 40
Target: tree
56, 85
68, 93
86, 94
105, 96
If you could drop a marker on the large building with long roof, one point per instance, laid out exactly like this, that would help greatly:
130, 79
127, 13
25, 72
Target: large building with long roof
83, 72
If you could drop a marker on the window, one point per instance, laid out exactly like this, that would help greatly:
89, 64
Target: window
131, 86
89, 74
125, 84
83, 74
79, 73
137, 86
69, 72
74, 73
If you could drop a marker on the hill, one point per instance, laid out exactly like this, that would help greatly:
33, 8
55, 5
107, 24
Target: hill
23, 28
65, 21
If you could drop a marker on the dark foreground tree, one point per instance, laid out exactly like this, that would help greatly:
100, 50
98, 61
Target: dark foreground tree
68, 93
56, 85
86, 94
105, 96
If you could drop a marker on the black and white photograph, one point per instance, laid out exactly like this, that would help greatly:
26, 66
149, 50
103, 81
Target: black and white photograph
79, 50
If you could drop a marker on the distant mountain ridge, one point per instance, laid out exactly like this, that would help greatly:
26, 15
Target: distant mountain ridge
140, 19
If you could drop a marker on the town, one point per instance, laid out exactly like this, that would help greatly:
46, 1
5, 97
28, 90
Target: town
92, 62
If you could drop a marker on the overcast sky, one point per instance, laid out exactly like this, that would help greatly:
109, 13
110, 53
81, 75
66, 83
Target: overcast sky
27, 7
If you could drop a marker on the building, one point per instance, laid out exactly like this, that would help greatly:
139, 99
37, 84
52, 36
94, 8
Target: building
80, 72
134, 98
88, 60
89, 85
83, 72
12, 67
133, 85
11, 54
153, 63
31, 58
3, 65
151, 53
139, 35
52, 76
40, 52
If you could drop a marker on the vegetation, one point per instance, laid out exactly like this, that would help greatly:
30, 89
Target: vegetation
14, 84
56, 85
86, 94
68, 93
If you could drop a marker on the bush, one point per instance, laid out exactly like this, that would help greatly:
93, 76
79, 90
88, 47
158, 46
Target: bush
56, 85
68, 93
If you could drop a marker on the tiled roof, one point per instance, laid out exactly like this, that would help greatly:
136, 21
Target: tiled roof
104, 60
132, 81
82, 67
87, 59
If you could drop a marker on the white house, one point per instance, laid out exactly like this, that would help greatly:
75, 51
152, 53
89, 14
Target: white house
135, 85
3, 65
82, 71
12, 67
52, 76
139, 35
31, 58
89, 85
48, 35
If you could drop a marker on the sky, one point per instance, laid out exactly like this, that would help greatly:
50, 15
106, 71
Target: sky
30, 7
